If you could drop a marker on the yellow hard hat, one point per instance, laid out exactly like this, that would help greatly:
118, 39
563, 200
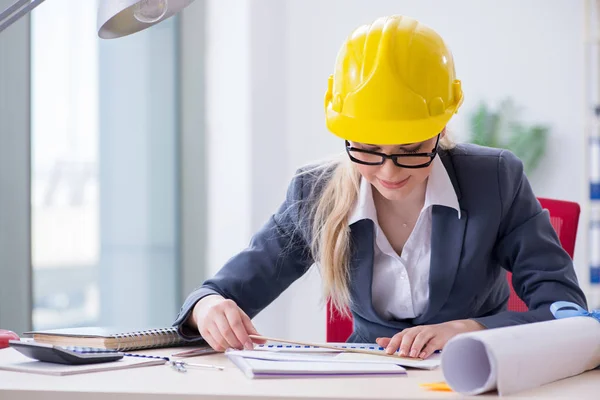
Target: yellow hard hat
394, 83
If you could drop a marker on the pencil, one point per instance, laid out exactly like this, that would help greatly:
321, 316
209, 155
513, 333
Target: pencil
327, 346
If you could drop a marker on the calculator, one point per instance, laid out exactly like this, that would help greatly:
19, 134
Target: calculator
71, 355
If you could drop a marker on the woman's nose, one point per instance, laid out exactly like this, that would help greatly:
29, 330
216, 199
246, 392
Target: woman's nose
389, 168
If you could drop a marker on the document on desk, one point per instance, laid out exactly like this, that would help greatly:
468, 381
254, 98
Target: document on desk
432, 362
14, 361
260, 364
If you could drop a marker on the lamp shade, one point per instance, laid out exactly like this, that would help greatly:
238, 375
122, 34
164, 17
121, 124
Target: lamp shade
118, 18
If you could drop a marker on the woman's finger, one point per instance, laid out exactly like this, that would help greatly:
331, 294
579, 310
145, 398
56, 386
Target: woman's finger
222, 324
383, 341
429, 349
394, 343
407, 340
250, 328
238, 327
219, 342
211, 341
420, 342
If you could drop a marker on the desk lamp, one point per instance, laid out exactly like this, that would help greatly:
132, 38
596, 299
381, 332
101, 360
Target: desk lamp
116, 18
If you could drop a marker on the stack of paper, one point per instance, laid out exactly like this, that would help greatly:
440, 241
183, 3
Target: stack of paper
432, 362
263, 364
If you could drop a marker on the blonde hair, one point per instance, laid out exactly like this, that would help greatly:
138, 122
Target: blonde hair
330, 232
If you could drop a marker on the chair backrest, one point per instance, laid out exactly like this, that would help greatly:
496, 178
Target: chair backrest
564, 217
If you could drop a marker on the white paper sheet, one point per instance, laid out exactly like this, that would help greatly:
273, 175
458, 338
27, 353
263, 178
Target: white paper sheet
281, 356
262, 364
521, 357
432, 362
356, 358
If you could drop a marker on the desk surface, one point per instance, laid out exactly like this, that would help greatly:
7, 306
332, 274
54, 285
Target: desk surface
165, 383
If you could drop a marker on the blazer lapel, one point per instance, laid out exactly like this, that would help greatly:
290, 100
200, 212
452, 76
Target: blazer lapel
361, 268
447, 236
447, 161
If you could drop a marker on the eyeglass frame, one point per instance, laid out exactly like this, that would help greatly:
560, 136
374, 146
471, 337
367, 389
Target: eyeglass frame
393, 157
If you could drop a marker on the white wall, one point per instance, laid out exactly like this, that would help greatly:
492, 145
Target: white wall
531, 51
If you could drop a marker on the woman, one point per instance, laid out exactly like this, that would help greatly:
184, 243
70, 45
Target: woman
411, 233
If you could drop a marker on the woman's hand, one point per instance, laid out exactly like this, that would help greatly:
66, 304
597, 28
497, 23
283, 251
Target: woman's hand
422, 341
222, 323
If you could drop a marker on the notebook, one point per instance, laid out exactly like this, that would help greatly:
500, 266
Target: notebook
12, 360
257, 364
110, 338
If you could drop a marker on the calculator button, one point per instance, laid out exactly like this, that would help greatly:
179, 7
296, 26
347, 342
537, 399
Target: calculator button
88, 350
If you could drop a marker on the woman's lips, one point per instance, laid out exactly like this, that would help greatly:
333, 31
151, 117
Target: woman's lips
393, 185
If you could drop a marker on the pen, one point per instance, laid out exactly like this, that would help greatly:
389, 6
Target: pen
195, 352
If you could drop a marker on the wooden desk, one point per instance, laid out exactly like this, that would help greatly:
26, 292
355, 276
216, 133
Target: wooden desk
162, 382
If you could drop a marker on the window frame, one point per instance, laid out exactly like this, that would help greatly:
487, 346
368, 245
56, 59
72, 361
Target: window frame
15, 171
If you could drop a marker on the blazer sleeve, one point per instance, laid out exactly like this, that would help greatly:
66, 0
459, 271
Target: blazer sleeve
277, 255
528, 246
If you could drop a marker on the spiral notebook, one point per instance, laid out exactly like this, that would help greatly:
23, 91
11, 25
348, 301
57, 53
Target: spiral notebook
110, 338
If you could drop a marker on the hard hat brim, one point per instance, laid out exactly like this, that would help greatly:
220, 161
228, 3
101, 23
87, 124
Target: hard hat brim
387, 132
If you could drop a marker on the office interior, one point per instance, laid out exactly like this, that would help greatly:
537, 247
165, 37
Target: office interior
131, 169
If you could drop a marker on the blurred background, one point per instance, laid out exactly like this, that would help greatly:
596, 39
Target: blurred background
153, 158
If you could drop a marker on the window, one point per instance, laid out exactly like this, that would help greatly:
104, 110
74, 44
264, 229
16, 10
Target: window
103, 175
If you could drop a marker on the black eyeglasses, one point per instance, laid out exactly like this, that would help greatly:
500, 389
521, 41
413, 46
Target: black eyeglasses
405, 160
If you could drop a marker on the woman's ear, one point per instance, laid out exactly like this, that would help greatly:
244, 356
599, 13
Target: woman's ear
443, 133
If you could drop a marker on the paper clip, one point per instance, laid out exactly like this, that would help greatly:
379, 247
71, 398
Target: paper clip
180, 366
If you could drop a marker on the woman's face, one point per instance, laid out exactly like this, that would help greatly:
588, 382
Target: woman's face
393, 182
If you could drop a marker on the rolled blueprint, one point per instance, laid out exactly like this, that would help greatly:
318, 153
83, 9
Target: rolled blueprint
525, 356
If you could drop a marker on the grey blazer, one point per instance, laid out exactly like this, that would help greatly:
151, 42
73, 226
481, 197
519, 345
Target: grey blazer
502, 228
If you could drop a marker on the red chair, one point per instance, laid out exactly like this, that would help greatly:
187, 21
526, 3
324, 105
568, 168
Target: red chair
564, 217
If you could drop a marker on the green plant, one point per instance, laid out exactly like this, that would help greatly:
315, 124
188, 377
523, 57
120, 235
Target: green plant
501, 128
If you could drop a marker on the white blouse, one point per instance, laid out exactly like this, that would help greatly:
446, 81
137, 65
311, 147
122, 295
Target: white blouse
401, 283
